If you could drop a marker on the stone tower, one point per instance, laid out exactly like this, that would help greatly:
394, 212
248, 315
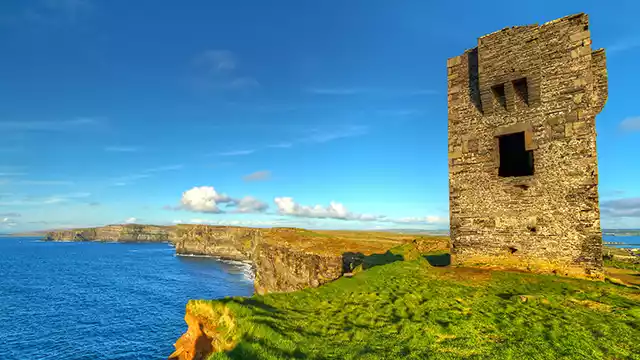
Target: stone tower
523, 171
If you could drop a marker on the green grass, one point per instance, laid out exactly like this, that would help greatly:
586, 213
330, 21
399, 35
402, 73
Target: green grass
622, 264
409, 309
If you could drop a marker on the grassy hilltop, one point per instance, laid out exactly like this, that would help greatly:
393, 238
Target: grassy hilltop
398, 305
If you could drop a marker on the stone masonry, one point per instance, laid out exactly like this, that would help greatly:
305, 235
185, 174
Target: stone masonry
523, 172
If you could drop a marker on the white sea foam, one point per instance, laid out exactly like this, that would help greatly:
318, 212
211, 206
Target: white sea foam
245, 266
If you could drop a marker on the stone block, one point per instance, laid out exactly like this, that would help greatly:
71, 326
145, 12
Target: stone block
454, 61
568, 130
580, 36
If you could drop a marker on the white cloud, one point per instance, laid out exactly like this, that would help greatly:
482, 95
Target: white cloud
236, 152
147, 173
164, 168
66, 125
249, 204
630, 124
217, 60
10, 214
619, 208
258, 176
53, 199
47, 182
342, 91
623, 45
206, 199
335, 210
121, 149
131, 220
282, 145
422, 220
345, 132
203, 199
220, 68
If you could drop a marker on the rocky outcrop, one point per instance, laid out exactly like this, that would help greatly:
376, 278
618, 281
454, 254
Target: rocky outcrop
211, 328
233, 243
284, 259
283, 269
118, 233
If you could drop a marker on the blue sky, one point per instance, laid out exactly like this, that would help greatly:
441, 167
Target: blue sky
319, 114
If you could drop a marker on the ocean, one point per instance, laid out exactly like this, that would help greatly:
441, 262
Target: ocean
89, 300
627, 241
85, 300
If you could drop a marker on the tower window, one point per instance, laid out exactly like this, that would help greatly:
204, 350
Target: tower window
522, 90
499, 95
515, 160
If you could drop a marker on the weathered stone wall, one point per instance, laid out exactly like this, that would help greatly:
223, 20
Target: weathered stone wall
550, 220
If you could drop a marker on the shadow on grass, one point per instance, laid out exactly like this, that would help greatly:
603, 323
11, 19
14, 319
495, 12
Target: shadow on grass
439, 259
245, 350
351, 260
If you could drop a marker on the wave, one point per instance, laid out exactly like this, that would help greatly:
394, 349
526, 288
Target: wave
245, 265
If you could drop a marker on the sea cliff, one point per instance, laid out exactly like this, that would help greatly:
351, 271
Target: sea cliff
284, 259
115, 233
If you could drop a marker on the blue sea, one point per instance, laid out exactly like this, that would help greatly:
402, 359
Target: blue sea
627, 241
102, 300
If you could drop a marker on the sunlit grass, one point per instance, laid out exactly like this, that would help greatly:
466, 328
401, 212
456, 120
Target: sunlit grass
409, 309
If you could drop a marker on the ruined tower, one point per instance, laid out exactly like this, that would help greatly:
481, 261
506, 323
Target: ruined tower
523, 172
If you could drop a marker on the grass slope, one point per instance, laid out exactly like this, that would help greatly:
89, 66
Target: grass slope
412, 310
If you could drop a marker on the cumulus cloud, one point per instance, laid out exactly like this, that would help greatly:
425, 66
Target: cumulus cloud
6, 222
249, 204
628, 207
131, 220
206, 199
258, 176
335, 210
203, 199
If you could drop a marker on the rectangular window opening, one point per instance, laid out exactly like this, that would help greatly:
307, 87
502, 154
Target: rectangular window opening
522, 90
499, 95
515, 160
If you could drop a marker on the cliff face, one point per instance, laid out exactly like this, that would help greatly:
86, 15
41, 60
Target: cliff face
120, 233
283, 269
233, 243
211, 328
284, 259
